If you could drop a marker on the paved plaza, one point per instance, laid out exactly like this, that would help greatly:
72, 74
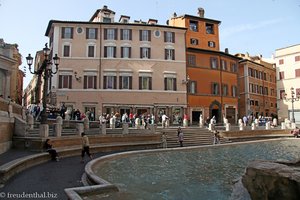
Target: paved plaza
50, 178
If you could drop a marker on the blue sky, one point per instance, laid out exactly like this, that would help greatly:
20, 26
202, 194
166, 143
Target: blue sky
254, 26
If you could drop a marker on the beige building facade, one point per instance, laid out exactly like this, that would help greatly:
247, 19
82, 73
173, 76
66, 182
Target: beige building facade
11, 78
288, 82
108, 67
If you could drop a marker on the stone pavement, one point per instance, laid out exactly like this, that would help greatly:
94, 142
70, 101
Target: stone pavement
50, 178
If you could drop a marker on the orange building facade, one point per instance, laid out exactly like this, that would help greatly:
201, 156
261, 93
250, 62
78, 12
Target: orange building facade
257, 84
211, 74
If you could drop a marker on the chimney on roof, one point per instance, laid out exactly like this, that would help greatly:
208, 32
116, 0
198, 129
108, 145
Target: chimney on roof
105, 7
174, 14
201, 12
152, 21
226, 50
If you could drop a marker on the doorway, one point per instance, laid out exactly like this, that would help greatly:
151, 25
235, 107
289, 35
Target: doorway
215, 112
230, 115
196, 116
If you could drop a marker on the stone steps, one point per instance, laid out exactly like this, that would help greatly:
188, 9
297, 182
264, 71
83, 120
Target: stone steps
191, 138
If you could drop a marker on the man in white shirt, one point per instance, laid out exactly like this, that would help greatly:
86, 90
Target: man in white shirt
164, 118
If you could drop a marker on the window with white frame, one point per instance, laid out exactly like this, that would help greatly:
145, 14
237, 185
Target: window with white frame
145, 82
91, 51
170, 82
215, 88
106, 20
66, 50
67, 32
126, 34
145, 52
90, 82
194, 26
125, 82
281, 75
194, 41
281, 94
192, 87
211, 44
125, 52
110, 51
65, 81
169, 37
233, 91
145, 35
110, 34
110, 82
224, 65
214, 63
209, 28
191, 60
170, 54
91, 33
225, 90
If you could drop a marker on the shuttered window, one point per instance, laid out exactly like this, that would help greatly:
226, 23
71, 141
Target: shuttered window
65, 81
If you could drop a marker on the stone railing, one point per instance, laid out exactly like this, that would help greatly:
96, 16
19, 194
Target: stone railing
60, 127
11, 108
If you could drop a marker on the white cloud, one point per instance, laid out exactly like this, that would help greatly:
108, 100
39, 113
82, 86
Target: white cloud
226, 32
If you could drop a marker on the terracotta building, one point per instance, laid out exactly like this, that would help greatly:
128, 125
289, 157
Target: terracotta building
108, 67
212, 74
257, 85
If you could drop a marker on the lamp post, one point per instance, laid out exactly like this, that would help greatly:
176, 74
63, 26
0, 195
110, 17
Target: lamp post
294, 97
44, 70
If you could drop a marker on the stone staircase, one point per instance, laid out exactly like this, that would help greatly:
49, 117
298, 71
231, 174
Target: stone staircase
192, 137
35, 131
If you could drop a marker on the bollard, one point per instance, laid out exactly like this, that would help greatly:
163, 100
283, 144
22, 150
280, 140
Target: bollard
256, 122
30, 121
44, 130
86, 123
268, 126
23, 113
241, 125
152, 128
10, 110
283, 126
253, 126
168, 123
79, 128
102, 129
137, 123
201, 123
293, 125
125, 128
227, 126
58, 126
211, 127
274, 122
185, 123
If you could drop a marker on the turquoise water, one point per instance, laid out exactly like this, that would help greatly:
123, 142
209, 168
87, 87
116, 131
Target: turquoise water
199, 173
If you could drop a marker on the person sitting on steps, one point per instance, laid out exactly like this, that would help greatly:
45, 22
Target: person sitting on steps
49, 148
296, 132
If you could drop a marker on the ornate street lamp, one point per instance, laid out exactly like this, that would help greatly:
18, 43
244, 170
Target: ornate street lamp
44, 70
294, 97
